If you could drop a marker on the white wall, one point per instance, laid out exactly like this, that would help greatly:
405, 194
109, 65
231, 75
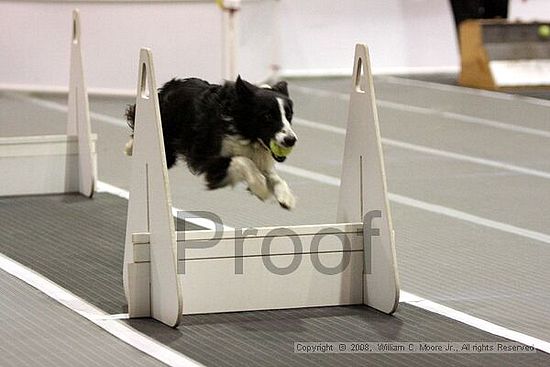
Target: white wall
35, 41
315, 36
530, 10
318, 36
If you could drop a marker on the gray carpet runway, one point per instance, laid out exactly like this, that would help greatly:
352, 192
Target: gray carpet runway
484, 249
78, 243
37, 331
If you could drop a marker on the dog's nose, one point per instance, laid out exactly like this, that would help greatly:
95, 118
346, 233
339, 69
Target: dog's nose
289, 141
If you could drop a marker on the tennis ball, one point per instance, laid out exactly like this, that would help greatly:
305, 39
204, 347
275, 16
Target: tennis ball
278, 150
544, 31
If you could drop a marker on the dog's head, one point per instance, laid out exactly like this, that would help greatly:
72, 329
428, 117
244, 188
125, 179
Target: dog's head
265, 114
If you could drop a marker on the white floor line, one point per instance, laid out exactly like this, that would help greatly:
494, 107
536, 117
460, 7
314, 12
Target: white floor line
432, 208
457, 214
320, 92
178, 213
463, 90
117, 316
430, 111
113, 190
406, 297
466, 119
474, 321
105, 321
467, 158
320, 126
120, 122
304, 173
431, 151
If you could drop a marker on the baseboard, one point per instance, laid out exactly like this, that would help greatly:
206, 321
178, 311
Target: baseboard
344, 72
63, 90
285, 73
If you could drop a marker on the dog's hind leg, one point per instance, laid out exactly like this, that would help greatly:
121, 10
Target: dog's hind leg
216, 172
230, 171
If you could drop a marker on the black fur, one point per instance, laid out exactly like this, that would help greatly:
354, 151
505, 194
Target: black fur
197, 116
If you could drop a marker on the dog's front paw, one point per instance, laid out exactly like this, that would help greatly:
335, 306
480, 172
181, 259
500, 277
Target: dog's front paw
258, 186
284, 196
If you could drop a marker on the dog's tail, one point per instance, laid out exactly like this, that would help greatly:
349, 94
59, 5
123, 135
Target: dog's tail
130, 120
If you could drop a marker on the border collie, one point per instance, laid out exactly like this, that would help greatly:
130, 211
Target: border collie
224, 133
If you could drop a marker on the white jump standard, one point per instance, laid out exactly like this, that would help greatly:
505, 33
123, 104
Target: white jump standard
168, 273
54, 164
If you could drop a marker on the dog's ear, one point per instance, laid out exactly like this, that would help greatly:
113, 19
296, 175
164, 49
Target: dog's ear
281, 87
244, 88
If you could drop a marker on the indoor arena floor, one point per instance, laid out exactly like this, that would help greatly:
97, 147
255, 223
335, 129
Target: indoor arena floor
468, 176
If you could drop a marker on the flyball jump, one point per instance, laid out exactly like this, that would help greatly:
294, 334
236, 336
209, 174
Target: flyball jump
52, 164
168, 273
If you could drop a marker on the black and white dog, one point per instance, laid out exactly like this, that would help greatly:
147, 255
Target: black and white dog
225, 131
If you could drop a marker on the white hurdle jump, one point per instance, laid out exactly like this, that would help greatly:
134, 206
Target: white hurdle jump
168, 273
55, 163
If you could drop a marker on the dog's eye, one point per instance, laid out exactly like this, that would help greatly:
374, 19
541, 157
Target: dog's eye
288, 113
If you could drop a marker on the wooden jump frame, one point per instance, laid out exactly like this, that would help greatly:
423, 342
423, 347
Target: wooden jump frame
55, 163
497, 54
168, 273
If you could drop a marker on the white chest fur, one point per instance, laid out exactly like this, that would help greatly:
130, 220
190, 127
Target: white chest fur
234, 145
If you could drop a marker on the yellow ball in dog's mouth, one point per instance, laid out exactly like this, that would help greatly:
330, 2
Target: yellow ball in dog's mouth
279, 151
